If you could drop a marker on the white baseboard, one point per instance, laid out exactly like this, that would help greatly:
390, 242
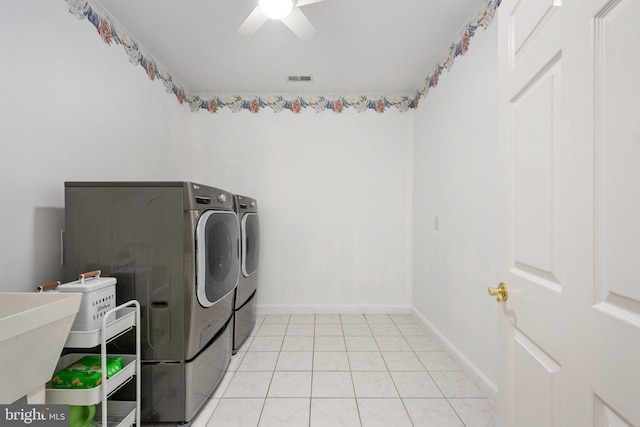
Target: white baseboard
476, 375
332, 309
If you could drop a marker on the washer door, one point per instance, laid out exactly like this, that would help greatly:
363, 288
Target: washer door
218, 255
250, 244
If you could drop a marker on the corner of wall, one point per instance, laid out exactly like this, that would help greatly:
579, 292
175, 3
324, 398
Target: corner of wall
484, 383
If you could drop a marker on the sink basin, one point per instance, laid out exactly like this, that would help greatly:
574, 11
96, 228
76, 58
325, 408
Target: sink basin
33, 330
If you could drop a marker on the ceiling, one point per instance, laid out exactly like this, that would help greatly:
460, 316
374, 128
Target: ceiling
361, 47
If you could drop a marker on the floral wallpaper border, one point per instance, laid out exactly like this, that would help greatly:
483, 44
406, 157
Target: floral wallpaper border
111, 34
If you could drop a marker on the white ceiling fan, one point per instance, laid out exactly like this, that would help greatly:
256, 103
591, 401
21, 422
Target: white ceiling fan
285, 10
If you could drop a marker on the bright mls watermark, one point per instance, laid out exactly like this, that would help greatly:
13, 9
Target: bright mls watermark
34, 415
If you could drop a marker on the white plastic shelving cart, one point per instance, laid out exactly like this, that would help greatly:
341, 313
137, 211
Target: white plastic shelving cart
118, 321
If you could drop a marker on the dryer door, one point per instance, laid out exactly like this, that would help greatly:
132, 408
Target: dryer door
218, 255
250, 243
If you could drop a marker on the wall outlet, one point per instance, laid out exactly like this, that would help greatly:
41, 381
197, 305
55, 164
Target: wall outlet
436, 223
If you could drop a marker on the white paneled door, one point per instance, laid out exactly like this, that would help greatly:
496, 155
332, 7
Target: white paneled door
569, 108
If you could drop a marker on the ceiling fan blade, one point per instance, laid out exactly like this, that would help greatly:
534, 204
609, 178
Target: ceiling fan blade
306, 2
299, 24
253, 22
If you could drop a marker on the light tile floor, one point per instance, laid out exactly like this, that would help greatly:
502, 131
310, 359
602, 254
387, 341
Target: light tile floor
344, 370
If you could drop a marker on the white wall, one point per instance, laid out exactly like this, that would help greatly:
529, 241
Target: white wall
335, 191
455, 178
334, 194
72, 108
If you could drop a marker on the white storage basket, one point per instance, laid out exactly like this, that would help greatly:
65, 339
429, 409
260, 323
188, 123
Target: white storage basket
98, 297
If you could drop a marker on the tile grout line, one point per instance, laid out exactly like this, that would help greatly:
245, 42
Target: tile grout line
353, 384
434, 381
313, 355
392, 379
264, 402
436, 384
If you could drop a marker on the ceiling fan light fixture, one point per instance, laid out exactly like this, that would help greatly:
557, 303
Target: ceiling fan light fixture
276, 9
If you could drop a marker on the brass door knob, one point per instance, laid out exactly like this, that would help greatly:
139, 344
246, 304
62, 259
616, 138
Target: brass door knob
501, 292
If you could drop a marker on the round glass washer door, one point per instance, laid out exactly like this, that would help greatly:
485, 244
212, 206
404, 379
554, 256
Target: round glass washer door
218, 255
250, 244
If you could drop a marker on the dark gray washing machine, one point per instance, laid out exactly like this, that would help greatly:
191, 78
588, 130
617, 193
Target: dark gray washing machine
174, 247
245, 305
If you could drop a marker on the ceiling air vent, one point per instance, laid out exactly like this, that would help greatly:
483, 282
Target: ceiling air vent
299, 78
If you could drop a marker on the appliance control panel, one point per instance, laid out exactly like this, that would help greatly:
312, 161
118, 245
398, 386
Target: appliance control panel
203, 196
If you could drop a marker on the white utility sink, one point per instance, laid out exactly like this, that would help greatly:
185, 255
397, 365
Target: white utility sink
33, 330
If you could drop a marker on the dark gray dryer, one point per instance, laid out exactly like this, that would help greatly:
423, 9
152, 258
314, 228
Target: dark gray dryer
245, 305
174, 247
